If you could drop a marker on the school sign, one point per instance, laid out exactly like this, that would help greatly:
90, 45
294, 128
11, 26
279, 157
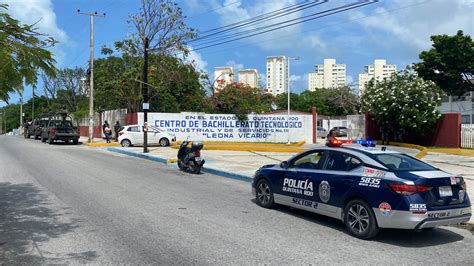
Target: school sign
226, 127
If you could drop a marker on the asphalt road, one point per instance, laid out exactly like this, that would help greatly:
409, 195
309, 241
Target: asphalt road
75, 204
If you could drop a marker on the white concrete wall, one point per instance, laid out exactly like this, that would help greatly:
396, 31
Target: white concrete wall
224, 127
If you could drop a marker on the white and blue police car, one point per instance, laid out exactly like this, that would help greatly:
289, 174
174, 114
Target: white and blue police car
367, 188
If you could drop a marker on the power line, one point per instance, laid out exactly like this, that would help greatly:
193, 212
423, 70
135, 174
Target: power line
212, 10
320, 28
262, 18
336, 10
276, 24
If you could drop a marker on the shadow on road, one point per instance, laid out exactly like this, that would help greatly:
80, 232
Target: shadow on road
27, 223
62, 143
416, 239
402, 238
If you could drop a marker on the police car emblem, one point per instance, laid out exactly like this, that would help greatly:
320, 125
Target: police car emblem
324, 191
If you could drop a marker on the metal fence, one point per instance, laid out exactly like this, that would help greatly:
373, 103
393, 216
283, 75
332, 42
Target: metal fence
112, 116
356, 125
85, 120
467, 136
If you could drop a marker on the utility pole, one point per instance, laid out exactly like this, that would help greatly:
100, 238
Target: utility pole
91, 67
145, 97
288, 92
21, 106
33, 105
1, 123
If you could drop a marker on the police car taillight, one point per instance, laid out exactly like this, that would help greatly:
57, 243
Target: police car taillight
334, 143
407, 190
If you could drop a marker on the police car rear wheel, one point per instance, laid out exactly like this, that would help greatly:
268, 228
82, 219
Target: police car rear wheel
264, 194
360, 220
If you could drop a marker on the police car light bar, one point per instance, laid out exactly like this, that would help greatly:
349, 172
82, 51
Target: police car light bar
365, 143
338, 143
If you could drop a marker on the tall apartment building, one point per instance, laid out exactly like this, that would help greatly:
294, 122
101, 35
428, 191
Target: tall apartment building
327, 75
277, 75
378, 71
222, 77
249, 77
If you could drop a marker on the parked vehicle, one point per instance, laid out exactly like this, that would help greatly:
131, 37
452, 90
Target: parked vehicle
321, 132
60, 127
341, 131
366, 188
132, 135
189, 158
35, 129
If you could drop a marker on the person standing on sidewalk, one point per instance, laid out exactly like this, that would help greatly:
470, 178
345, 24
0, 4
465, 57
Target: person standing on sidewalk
106, 124
116, 130
108, 133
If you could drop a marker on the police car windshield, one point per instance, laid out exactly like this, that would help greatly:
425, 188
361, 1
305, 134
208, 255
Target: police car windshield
402, 162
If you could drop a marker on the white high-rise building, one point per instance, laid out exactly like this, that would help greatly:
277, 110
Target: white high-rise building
277, 75
328, 75
249, 77
222, 77
378, 71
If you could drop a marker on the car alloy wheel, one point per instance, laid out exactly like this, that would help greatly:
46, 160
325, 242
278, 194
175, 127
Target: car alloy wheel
264, 194
360, 220
164, 142
126, 143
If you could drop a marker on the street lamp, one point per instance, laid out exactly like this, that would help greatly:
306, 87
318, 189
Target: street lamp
288, 92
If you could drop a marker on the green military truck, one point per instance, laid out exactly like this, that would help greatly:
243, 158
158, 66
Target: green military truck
60, 127
35, 128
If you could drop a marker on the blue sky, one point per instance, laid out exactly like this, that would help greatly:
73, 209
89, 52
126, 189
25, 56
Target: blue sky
395, 30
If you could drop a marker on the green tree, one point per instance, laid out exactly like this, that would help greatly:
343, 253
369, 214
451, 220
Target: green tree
404, 101
450, 63
241, 100
115, 83
163, 23
281, 101
22, 54
64, 90
328, 101
176, 84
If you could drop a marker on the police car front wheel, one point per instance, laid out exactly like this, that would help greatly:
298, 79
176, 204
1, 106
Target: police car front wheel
360, 219
264, 194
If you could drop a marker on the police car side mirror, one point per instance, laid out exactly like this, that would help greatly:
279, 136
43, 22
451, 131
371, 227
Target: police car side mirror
284, 164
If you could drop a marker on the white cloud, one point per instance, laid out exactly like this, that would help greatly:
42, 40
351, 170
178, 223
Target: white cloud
295, 78
284, 38
349, 79
236, 66
409, 29
40, 12
196, 59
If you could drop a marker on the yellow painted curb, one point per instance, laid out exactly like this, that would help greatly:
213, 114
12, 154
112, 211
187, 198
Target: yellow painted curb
102, 144
254, 148
172, 160
454, 151
421, 154
296, 144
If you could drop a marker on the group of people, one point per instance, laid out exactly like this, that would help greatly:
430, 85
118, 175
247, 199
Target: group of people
108, 130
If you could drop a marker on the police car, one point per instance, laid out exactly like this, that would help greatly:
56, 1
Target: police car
365, 187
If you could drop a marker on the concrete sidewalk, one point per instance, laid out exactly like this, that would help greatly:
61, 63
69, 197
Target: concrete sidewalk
243, 164
97, 142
